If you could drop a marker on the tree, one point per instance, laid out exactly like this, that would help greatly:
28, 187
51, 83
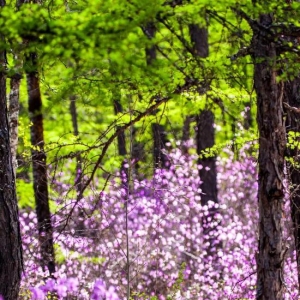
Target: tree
10, 247
291, 100
272, 142
39, 166
14, 116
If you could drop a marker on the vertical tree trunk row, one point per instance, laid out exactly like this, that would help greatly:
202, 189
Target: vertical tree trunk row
272, 143
40, 181
10, 237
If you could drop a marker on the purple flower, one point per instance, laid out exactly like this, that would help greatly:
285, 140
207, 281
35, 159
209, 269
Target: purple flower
37, 293
100, 291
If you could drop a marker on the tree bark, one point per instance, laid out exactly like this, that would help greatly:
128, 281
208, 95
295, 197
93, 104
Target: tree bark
205, 134
73, 112
158, 132
10, 238
272, 142
186, 135
149, 31
14, 117
40, 181
199, 39
121, 137
205, 137
160, 140
292, 97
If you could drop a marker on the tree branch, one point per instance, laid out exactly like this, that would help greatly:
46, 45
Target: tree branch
291, 108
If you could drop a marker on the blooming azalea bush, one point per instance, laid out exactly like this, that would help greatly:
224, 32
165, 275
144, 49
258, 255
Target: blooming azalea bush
168, 253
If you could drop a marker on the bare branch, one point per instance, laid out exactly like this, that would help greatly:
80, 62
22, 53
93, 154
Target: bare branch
291, 108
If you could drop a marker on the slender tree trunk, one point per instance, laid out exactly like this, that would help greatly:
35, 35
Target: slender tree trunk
160, 140
14, 117
205, 137
159, 134
149, 31
40, 182
121, 143
10, 238
73, 112
205, 134
80, 227
272, 144
292, 97
121, 137
186, 135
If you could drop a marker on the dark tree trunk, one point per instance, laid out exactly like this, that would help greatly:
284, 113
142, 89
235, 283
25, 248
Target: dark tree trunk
199, 39
159, 135
121, 137
121, 143
80, 227
160, 140
186, 133
138, 151
10, 238
205, 137
73, 112
292, 97
149, 31
40, 182
272, 144
205, 134
248, 121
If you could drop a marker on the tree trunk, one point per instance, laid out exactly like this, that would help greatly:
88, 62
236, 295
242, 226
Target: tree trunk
149, 31
292, 97
186, 133
205, 138
121, 137
272, 143
205, 134
73, 112
14, 117
199, 39
159, 135
40, 182
160, 140
10, 238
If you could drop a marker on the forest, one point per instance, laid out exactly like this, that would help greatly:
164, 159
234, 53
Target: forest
149, 149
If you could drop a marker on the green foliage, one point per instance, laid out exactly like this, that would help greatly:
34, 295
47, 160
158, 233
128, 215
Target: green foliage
95, 51
59, 255
25, 194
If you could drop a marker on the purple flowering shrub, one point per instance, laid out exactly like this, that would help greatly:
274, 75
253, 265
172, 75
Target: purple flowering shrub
169, 254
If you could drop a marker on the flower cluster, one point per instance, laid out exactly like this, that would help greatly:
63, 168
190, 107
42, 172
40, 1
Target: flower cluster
148, 234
